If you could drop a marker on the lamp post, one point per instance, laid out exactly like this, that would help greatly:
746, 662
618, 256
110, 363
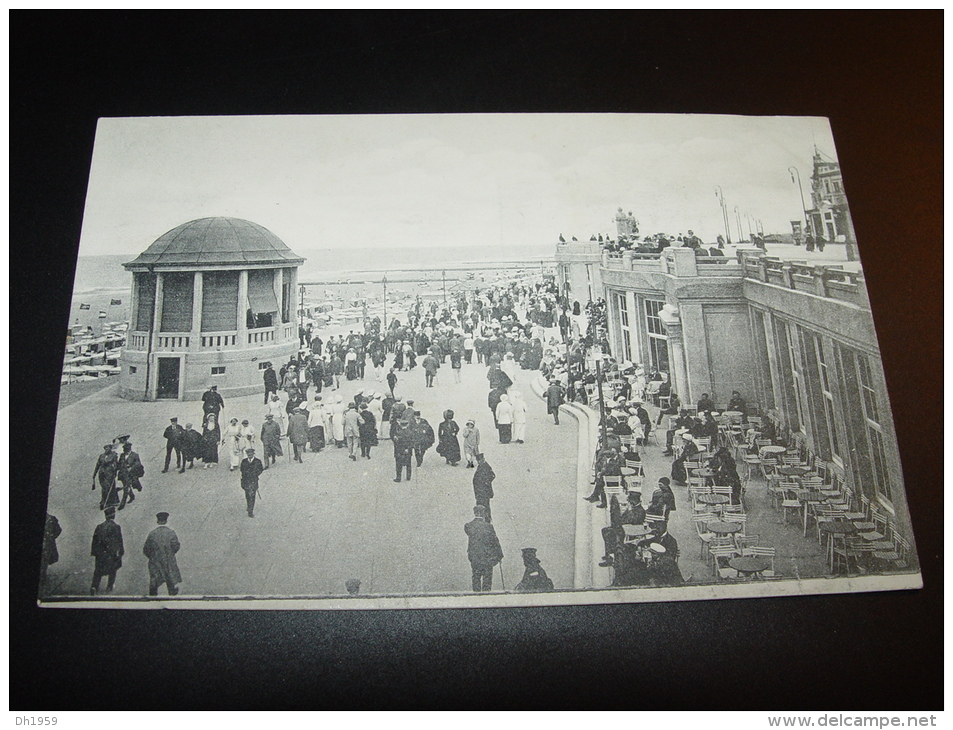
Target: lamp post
384, 282
724, 210
738, 220
800, 190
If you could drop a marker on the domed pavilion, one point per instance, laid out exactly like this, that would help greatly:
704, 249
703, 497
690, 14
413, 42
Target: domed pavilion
213, 302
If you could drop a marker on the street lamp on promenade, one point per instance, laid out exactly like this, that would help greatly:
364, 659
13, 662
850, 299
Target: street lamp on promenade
724, 209
800, 190
741, 234
384, 282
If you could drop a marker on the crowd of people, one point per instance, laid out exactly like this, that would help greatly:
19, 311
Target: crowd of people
308, 407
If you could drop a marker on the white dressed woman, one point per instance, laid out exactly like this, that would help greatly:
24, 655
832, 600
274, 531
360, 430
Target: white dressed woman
519, 416
232, 440
249, 441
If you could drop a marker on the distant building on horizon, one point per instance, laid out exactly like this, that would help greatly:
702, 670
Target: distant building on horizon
213, 301
829, 215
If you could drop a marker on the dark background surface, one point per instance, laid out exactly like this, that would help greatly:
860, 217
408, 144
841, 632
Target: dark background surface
877, 76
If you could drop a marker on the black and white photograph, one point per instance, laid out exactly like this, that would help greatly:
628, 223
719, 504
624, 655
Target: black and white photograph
470, 360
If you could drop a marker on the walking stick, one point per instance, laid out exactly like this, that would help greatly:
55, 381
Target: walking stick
502, 582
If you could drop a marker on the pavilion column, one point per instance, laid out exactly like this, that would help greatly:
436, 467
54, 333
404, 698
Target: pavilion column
152, 365
678, 374
243, 308
195, 340
134, 309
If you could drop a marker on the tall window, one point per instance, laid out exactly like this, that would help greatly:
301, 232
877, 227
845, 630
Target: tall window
796, 375
875, 438
624, 325
658, 340
828, 397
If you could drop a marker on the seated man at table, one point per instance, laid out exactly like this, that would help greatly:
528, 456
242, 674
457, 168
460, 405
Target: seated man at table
737, 403
608, 463
614, 535
663, 494
683, 421
674, 404
705, 404
664, 568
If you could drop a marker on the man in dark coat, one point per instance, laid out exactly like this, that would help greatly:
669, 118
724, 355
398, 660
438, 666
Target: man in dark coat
483, 549
212, 402
107, 468
403, 440
271, 439
192, 446
129, 471
391, 381
160, 547
554, 399
664, 568
271, 381
424, 437
535, 579
298, 433
107, 549
430, 365
483, 484
50, 555
173, 442
251, 468
705, 404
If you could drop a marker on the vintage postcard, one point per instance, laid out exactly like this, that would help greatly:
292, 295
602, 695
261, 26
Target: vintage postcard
341, 362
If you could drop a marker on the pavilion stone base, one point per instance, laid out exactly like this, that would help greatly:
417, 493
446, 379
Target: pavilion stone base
243, 374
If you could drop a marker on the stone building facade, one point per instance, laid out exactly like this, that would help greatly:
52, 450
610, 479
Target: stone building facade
213, 300
797, 341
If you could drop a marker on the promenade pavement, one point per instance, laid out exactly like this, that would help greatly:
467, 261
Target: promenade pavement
320, 523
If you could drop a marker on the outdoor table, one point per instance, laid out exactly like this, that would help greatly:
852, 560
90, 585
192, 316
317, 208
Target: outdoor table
773, 449
810, 498
628, 471
794, 471
706, 473
750, 566
723, 527
635, 532
713, 499
834, 530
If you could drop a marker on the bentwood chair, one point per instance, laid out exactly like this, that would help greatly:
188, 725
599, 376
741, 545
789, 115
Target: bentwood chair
701, 520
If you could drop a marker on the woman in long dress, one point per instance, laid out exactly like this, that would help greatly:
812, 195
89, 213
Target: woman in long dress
232, 440
337, 420
248, 438
277, 409
519, 416
211, 435
448, 446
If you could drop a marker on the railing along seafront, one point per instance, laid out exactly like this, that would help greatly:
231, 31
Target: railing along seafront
830, 281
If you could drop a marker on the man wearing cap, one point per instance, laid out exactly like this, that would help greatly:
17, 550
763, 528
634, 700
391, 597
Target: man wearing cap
107, 468
212, 402
684, 421
251, 469
107, 549
664, 568
554, 398
271, 439
173, 442
129, 470
483, 484
483, 549
705, 404
298, 433
160, 547
535, 579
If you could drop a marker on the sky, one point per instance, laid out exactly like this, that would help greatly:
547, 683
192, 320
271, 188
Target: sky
445, 180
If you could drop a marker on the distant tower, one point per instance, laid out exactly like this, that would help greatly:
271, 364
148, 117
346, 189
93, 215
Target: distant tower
626, 224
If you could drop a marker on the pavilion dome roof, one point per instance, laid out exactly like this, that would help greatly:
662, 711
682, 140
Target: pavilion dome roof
215, 241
